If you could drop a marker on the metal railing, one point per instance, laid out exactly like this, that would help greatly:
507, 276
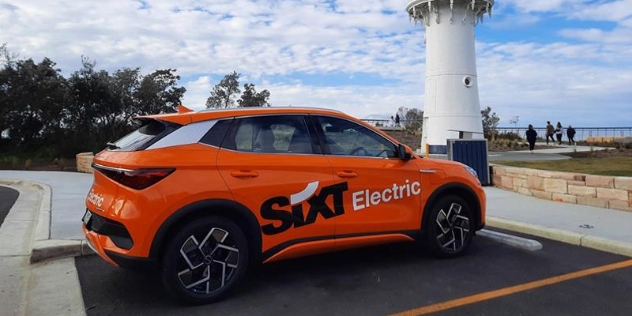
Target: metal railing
389, 123
582, 133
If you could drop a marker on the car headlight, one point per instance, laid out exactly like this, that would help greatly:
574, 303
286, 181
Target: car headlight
472, 172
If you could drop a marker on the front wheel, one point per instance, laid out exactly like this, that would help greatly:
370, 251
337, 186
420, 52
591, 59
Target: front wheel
450, 227
205, 260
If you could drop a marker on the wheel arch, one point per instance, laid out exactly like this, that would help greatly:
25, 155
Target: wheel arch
457, 189
231, 210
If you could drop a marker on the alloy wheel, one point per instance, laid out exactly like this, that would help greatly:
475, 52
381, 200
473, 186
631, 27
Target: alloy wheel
207, 265
453, 228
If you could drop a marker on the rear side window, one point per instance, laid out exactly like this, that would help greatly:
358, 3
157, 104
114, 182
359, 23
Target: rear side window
150, 132
285, 134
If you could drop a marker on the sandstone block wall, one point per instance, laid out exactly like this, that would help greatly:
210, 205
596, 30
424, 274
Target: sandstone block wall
567, 187
84, 162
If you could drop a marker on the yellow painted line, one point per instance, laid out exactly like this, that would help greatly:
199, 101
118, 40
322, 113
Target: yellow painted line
513, 289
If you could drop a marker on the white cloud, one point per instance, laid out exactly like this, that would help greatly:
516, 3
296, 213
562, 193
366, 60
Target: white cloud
536, 79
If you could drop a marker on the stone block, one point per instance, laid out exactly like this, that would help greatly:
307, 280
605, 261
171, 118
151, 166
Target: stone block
564, 175
580, 177
513, 170
612, 194
546, 174
535, 182
525, 191
498, 170
517, 183
496, 180
620, 205
530, 172
566, 198
555, 185
582, 191
592, 201
600, 181
506, 182
542, 194
84, 162
577, 183
624, 183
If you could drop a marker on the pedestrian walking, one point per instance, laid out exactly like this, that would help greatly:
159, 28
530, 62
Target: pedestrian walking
396, 119
532, 135
570, 133
550, 130
559, 131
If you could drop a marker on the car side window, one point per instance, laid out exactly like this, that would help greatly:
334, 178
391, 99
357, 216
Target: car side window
347, 138
271, 134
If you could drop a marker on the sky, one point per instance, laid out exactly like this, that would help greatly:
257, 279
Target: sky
537, 60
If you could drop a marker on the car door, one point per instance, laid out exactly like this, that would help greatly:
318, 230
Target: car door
273, 167
384, 192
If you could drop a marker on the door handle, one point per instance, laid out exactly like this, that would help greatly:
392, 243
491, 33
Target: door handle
244, 174
347, 174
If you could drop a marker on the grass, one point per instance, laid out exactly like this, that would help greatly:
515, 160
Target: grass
607, 166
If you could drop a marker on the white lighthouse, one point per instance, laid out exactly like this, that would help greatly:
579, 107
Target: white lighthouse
451, 107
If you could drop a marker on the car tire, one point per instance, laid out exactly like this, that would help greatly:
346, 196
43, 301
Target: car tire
449, 227
206, 259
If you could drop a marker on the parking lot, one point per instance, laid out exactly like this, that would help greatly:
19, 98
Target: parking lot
491, 279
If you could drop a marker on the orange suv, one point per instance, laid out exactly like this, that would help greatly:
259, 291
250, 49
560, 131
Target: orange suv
206, 195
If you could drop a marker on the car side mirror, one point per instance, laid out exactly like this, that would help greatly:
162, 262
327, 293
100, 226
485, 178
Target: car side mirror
402, 153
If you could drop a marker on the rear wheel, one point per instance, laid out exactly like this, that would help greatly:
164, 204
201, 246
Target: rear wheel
205, 260
450, 227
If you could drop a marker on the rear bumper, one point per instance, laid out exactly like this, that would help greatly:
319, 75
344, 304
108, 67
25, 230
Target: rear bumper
98, 244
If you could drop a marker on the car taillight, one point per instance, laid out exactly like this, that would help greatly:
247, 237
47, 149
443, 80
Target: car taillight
136, 179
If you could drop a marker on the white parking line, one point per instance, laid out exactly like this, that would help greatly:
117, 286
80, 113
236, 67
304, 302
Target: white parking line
511, 240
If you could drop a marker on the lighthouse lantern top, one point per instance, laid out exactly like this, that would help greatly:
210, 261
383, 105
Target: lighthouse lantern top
420, 10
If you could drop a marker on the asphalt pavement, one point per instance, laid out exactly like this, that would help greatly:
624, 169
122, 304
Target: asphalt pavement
50, 205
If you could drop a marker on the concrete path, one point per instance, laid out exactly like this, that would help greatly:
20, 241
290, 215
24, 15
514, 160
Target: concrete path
46, 288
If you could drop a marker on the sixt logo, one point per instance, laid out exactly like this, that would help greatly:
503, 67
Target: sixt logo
289, 211
271, 209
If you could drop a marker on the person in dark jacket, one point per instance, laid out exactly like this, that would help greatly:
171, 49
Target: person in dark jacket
532, 135
570, 132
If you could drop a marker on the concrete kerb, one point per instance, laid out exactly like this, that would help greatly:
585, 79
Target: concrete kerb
43, 247
583, 240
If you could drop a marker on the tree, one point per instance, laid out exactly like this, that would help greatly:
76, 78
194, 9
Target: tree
490, 122
32, 97
411, 119
50, 116
250, 97
158, 93
222, 95
93, 108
